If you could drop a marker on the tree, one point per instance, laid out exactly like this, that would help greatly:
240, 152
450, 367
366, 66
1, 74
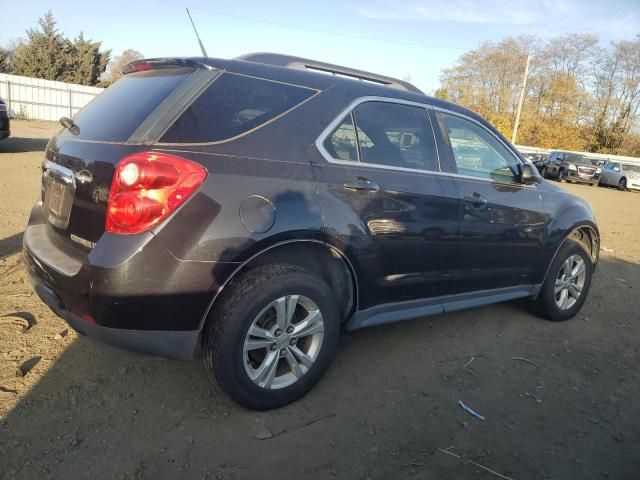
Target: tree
6, 59
48, 54
45, 54
579, 96
87, 63
114, 69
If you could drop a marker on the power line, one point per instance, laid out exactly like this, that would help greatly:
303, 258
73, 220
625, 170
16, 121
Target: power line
312, 29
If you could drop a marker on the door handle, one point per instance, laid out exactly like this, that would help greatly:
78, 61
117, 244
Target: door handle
477, 200
362, 183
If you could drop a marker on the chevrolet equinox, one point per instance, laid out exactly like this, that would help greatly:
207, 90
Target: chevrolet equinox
254, 208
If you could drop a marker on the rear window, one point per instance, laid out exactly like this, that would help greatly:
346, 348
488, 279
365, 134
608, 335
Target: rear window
233, 105
118, 111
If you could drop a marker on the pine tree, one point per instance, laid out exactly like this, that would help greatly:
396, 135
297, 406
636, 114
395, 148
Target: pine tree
45, 54
48, 54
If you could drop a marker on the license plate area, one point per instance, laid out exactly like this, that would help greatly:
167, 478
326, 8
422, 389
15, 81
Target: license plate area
58, 192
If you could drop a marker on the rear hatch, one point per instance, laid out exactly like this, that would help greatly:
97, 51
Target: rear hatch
126, 118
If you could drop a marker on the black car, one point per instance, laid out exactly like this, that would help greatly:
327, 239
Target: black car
256, 207
572, 167
5, 129
539, 160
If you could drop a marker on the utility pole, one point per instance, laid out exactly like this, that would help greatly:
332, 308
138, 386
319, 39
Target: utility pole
524, 87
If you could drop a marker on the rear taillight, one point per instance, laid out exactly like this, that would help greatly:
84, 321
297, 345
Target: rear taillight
147, 187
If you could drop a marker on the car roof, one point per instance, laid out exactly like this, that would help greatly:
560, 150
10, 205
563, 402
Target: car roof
292, 69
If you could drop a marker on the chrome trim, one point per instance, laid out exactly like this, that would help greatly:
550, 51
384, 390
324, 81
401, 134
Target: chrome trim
356, 293
59, 172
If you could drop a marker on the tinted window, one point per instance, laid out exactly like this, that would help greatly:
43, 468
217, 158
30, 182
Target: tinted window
232, 105
395, 135
477, 152
342, 144
118, 111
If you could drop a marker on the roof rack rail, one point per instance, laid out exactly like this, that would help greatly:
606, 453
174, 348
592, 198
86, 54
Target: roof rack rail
314, 65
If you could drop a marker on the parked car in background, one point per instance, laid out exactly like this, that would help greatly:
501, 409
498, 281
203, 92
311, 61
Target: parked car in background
572, 167
5, 129
258, 206
538, 160
621, 175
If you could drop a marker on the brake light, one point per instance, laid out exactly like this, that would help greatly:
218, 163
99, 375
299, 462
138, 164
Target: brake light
147, 187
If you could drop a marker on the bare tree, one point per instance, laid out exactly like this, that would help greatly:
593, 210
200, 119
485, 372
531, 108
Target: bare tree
114, 69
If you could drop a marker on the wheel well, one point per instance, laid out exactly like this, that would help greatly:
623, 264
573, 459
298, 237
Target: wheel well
319, 258
589, 239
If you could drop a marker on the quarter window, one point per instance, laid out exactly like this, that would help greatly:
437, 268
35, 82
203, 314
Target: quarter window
343, 144
233, 105
477, 153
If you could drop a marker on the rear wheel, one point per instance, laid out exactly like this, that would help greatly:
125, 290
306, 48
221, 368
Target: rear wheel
272, 336
622, 185
567, 284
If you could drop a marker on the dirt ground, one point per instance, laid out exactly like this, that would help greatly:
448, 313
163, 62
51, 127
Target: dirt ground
387, 408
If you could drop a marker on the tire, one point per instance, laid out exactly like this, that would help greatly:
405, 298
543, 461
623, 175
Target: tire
250, 299
546, 305
560, 176
622, 184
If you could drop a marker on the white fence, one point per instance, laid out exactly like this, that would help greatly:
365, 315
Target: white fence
39, 99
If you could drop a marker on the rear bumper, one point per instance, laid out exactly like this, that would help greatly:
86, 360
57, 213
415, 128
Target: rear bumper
129, 291
171, 344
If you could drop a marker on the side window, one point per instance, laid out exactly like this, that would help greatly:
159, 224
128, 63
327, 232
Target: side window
233, 105
395, 135
478, 153
342, 143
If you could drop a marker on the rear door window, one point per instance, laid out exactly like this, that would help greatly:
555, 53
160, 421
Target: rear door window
234, 105
395, 135
118, 111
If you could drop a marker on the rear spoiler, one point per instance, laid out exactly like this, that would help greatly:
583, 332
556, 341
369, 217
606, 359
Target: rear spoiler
314, 65
160, 63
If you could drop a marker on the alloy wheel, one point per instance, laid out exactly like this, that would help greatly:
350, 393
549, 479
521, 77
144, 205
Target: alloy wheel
283, 342
570, 282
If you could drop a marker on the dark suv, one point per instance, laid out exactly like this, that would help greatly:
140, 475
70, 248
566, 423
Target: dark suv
5, 131
255, 207
572, 167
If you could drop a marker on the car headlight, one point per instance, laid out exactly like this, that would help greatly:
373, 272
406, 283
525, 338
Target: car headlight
572, 167
598, 170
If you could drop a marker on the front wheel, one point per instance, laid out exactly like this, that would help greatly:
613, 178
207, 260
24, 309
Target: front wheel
622, 185
272, 336
567, 284
560, 175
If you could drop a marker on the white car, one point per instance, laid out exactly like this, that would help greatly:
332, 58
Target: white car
621, 175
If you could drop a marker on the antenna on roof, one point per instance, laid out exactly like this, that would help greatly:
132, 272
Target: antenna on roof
204, 52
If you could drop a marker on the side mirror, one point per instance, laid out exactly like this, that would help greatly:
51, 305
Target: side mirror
529, 174
616, 169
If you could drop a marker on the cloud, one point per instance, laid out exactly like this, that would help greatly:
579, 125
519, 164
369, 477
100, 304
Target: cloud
611, 20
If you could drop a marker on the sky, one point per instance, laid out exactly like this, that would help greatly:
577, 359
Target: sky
399, 38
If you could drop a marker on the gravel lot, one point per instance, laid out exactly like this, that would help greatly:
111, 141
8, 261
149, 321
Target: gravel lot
387, 408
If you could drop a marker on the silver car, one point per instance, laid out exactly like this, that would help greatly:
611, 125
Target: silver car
621, 175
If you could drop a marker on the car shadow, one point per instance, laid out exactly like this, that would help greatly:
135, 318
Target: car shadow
385, 408
23, 144
10, 245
